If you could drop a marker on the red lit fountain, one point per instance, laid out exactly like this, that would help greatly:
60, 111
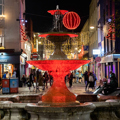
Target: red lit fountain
58, 66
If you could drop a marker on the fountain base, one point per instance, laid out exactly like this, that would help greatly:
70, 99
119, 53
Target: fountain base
72, 112
58, 104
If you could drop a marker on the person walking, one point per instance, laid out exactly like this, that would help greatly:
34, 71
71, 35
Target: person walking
46, 78
80, 76
51, 80
77, 76
95, 78
31, 81
90, 81
4, 75
23, 80
86, 79
40, 81
70, 79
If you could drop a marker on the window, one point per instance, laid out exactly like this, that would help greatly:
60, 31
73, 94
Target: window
104, 16
107, 45
111, 42
1, 38
0, 1
98, 12
104, 45
1, 7
110, 7
1, 41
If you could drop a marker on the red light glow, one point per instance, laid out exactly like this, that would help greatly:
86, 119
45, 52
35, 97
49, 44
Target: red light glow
58, 34
58, 93
52, 12
71, 20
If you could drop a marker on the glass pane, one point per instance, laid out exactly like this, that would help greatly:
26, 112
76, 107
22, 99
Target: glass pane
3, 10
0, 9
0, 1
0, 32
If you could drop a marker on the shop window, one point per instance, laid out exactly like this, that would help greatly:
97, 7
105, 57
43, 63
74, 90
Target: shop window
1, 7
8, 68
111, 42
104, 45
1, 38
110, 7
107, 45
98, 12
104, 16
1, 41
0, 1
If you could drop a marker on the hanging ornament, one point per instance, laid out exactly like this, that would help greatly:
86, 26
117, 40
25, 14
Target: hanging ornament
71, 20
23, 33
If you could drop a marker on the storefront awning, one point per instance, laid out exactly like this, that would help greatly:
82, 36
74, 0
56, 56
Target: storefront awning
110, 58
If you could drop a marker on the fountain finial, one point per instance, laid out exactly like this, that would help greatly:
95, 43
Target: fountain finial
57, 7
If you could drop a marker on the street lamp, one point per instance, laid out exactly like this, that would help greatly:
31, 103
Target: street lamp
92, 27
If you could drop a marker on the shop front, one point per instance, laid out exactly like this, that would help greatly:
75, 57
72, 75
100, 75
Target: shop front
110, 63
9, 64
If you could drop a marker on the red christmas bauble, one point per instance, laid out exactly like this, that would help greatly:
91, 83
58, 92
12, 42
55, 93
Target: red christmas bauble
71, 20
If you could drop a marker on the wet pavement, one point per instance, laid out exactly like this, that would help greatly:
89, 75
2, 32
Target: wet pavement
77, 88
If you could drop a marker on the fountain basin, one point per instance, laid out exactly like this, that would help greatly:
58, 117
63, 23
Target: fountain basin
58, 93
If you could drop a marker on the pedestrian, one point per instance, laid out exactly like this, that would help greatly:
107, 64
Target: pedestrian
113, 81
29, 84
77, 76
46, 78
80, 76
86, 79
95, 78
23, 80
74, 77
40, 80
51, 80
70, 79
31, 80
90, 81
66, 77
4, 75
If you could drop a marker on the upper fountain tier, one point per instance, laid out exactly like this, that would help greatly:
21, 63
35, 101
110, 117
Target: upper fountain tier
57, 34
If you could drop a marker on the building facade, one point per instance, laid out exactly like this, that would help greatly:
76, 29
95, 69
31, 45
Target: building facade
110, 42
93, 36
12, 38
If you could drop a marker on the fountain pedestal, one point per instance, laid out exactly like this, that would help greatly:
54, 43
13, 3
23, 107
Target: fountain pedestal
59, 93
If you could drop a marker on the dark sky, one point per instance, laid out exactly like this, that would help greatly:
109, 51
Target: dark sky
42, 20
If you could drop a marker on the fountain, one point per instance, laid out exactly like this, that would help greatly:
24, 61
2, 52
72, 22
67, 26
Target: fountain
59, 102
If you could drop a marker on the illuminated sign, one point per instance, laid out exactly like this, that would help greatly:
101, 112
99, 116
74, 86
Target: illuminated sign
3, 60
96, 51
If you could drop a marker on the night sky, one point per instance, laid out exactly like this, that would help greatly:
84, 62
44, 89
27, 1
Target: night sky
42, 20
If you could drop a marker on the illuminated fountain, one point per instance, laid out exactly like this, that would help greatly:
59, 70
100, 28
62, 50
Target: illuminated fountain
58, 66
